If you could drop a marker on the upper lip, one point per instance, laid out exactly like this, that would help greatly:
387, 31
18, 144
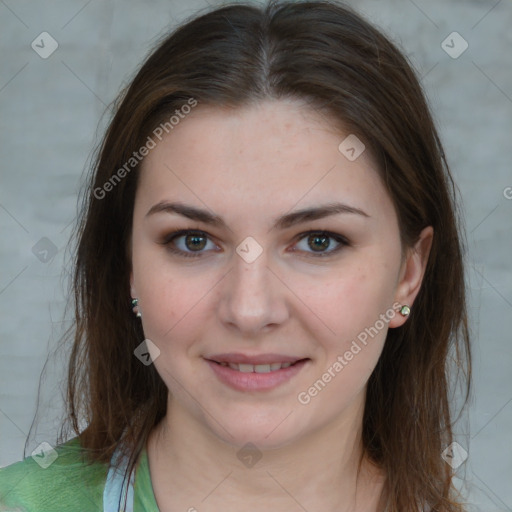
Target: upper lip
238, 358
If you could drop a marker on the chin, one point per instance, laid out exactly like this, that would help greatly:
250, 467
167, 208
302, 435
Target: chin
266, 432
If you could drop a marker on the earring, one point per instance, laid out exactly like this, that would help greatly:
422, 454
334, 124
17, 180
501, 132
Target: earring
135, 307
405, 310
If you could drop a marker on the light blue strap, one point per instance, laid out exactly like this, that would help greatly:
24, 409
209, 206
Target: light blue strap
114, 489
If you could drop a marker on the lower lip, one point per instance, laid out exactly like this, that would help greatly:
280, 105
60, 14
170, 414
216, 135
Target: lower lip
255, 381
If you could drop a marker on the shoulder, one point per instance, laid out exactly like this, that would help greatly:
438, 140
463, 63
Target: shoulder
54, 480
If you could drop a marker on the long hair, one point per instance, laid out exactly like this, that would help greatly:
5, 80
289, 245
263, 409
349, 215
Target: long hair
240, 54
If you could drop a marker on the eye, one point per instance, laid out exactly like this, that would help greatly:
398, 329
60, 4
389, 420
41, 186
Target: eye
192, 244
319, 241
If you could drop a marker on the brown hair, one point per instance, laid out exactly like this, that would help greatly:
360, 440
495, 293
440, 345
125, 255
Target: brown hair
327, 55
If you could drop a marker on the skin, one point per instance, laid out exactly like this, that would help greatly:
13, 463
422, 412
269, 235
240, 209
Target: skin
250, 166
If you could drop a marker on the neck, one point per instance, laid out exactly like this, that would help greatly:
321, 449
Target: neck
193, 468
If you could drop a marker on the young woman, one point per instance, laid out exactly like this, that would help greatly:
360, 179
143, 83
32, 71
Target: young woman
272, 200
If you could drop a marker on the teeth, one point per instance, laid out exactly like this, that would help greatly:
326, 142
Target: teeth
257, 368
262, 368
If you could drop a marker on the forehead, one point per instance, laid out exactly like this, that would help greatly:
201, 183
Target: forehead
258, 159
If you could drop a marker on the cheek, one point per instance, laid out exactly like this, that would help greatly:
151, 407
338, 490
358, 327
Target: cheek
159, 292
168, 307
351, 306
350, 300
172, 299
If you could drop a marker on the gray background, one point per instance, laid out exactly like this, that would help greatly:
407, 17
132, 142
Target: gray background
53, 113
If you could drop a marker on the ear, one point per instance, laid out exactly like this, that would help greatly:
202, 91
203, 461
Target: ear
411, 273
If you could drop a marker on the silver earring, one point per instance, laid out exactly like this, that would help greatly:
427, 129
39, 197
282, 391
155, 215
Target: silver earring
135, 307
405, 310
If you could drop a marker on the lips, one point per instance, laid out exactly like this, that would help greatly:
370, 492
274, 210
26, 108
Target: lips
255, 360
262, 363
247, 377
256, 368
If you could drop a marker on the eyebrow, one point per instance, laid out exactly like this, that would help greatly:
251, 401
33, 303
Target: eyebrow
282, 222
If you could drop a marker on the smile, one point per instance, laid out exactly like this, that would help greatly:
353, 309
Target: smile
257, 368
256, 377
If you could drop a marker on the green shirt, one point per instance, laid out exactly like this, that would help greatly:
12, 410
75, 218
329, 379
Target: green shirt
67, 484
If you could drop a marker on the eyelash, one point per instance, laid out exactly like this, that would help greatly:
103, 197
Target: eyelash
183, 232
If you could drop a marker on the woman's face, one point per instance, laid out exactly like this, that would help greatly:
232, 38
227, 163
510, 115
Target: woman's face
254, 286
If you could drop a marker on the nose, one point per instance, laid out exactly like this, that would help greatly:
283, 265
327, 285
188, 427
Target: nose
253, 299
